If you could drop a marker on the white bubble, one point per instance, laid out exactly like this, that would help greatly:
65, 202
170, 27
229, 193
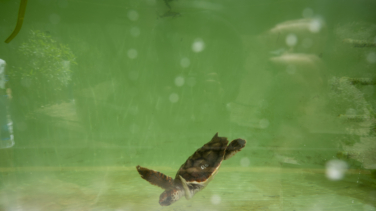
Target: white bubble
307, 43
335, 169
133, 75
132, 53
307, 13
244, 162
191, 81
55, 18
371, 57
174, 98
135, 31
185, 62
198, 45
215, 199
291, 40
264, 123
315, 26
133, 15
291, 69
179, 81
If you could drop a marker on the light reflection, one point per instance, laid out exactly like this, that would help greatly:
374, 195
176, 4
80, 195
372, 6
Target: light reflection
291, 40
179, 81
174, 98
133, 15
215, 199
307, 13
132, 53
371, 57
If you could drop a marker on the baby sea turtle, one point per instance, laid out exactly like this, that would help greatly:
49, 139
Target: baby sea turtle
195, 174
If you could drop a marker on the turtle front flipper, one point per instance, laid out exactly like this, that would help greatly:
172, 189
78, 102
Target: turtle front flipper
188, 194
234, 147
155, 177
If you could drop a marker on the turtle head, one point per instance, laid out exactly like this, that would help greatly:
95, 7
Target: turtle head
170, 196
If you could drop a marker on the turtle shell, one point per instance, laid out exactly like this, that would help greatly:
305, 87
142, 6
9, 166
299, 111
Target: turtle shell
204, 163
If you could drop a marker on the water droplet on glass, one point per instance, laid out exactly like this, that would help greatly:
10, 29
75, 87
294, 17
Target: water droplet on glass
264, 123
179, 81
185, 62
291, 69
307, 43
174, 98
135, 31
198, 45
371, 57
133, 15
307, 13
291, 40
215, 199
55, 18
315, 26
244, 162
335, 169
191, 81
132, 53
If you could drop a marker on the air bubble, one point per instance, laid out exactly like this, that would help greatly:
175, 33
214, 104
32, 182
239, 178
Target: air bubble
291, 69
307, 13
174, 98
179, 81
198, 45
185, 62
215, 199
132, 53
335, 169
55, 18
135, 31
245, 162
133, 15
371, 57
291, 40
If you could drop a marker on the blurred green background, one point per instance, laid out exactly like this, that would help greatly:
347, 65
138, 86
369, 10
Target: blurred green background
99, 87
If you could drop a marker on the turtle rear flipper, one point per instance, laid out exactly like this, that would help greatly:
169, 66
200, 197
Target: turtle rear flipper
234, 147
155, 177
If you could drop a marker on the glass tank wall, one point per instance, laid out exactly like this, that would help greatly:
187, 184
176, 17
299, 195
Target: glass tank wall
90, 89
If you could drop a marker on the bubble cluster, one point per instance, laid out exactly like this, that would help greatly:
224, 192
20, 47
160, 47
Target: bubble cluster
291, 40
198, 45
335, 169
132, 53
133, 15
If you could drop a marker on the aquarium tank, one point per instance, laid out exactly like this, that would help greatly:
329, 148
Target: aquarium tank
187, 105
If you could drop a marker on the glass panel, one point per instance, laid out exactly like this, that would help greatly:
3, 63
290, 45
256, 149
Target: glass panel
91, 89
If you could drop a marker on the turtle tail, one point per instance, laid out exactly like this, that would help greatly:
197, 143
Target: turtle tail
234, 147
155, 177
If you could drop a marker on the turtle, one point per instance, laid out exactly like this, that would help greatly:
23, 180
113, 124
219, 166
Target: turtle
195, 174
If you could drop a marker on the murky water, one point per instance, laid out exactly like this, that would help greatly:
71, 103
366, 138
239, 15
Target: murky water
91, 89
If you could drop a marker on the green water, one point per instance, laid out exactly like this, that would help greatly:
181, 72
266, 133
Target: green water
99, 87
